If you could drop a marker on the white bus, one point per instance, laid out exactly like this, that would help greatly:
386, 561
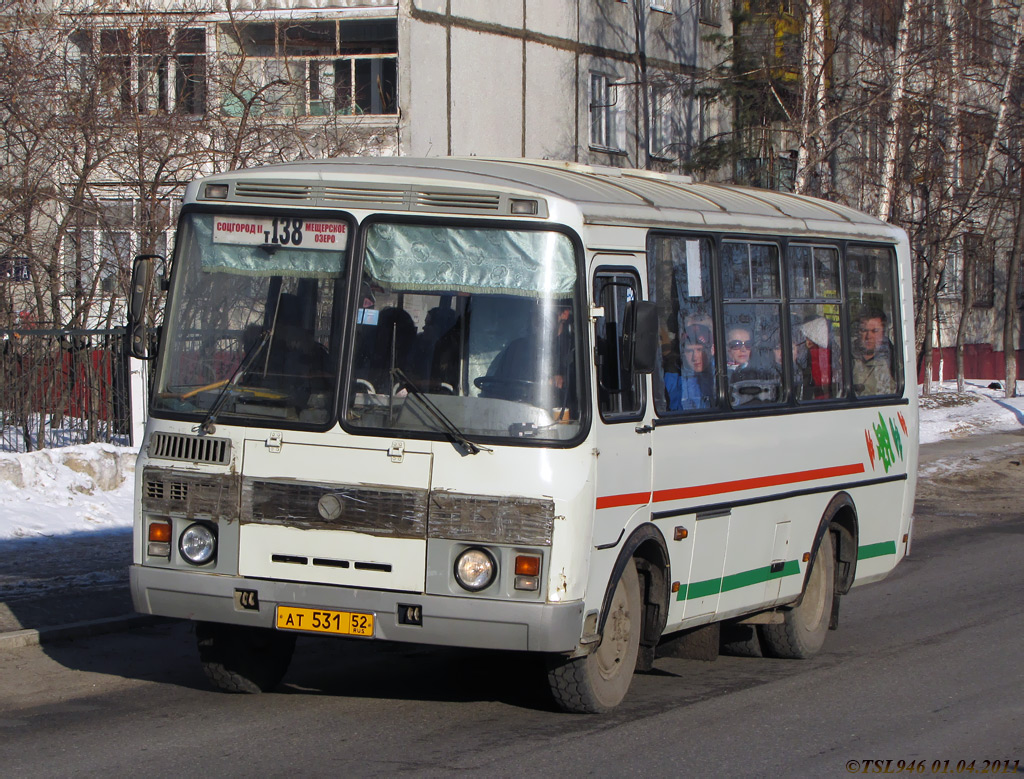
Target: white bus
591, 413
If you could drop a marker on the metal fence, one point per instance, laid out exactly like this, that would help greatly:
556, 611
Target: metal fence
63, 387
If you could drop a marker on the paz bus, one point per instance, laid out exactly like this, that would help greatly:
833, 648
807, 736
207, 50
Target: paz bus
596, 414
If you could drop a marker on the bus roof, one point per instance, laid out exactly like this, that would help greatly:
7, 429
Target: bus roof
604, 195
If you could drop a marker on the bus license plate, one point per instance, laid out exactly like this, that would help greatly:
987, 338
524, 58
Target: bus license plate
341, 623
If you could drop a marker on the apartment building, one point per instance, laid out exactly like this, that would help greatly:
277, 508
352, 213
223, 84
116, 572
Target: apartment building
133, 100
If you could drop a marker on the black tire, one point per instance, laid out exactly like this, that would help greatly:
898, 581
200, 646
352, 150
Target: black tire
243, 659
803, 629
740, 640
598, 682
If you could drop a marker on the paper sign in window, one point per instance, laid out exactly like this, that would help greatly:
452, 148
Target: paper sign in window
693, 277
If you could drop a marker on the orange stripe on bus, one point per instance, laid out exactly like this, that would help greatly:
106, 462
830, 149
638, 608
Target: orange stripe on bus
720, 488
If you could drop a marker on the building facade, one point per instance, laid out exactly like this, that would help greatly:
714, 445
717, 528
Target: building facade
115, 106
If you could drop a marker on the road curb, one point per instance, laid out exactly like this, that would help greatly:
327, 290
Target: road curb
16, 639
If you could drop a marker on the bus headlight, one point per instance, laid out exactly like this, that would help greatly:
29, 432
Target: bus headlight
197, 543
475, 569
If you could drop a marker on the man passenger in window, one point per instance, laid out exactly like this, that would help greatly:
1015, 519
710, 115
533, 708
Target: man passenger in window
872, 355
694, 386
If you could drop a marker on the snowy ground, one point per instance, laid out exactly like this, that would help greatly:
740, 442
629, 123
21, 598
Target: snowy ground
89, 488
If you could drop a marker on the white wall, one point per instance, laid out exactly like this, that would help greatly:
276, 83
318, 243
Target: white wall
487, 95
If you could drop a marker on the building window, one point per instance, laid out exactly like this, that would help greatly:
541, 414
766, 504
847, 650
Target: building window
978, 24
311, 68
1020, 282
663, 134
982, 269
14, 268
152, 69
710, 11
607, 117
98, 249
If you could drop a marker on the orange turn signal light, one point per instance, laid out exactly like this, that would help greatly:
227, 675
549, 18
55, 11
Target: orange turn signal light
527, 565
160, 531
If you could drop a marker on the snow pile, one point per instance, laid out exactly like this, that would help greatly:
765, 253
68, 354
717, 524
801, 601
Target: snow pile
945, 414
68, 490
84, 488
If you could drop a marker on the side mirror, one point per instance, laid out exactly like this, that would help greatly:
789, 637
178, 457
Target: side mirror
142, 283
641, 335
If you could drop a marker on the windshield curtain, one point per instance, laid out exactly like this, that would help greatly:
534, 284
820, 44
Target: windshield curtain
258, 292
475, 260
477, 323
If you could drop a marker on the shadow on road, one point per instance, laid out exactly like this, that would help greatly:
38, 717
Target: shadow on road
381, 670
64, 579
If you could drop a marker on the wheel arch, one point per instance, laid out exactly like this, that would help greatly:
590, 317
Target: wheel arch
647, 546
841, 516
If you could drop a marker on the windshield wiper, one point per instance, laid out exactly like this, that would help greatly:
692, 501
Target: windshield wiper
206, 426
447, 426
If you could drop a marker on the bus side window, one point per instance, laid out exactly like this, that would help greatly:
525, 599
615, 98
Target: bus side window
815, 303
680, 273
619, 390
876, 357
752, 295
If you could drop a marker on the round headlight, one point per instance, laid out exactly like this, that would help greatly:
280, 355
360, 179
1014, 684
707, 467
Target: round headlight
475, 569
197, 544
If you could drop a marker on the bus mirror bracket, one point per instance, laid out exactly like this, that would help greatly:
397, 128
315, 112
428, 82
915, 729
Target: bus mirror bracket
138, 303
641, 321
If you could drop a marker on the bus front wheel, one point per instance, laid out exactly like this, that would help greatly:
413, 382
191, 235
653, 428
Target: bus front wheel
244, 659
599, 681
803, 629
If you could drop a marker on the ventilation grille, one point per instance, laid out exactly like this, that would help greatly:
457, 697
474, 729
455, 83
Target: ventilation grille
457, 201
393, 198
190, 448
170, 492
259, 190
327, 562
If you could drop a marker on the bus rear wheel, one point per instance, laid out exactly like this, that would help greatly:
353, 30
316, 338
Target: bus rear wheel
238, 658
803, 629
598, 682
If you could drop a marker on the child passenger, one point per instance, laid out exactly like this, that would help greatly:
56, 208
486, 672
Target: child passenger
694, 386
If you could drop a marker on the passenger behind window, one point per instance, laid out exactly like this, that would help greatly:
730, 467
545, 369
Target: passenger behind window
803, 386
428, 351
873, 372
755, 370
296, 362
744, 381
393, 339
693, 386
823, 382
539, 366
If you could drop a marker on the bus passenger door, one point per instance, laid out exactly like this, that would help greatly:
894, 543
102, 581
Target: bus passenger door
623, 427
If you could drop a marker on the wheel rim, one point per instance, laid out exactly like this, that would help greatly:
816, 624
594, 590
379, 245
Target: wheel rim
615, 644
814, 596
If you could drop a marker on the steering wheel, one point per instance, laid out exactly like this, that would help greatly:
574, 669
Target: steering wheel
367, 385
507, 388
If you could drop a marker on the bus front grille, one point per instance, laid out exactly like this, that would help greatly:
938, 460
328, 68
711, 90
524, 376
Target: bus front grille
190, 448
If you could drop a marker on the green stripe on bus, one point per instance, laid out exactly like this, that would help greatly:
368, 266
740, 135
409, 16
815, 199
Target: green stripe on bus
736, 581
868, 551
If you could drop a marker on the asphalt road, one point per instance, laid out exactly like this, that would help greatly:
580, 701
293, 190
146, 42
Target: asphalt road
926, 665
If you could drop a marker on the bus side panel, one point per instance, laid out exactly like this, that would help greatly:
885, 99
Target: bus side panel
751, 493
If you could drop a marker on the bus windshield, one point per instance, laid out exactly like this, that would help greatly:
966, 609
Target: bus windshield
249, 332
466, 329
